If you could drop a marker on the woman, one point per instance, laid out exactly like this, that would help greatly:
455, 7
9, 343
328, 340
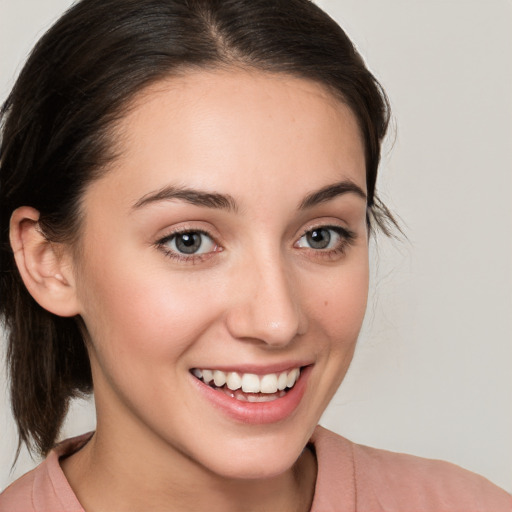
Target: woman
188, 191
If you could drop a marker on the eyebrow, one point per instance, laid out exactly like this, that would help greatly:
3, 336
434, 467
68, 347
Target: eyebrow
227, 202
192, 196
330, 192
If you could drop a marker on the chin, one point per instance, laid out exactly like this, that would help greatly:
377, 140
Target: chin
262, 457
256, 468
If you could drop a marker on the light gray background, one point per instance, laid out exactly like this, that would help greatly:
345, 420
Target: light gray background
432, 374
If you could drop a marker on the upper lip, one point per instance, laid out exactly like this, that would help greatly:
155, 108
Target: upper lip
254, 368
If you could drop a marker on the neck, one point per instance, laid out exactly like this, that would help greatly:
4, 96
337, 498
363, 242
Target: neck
133, 472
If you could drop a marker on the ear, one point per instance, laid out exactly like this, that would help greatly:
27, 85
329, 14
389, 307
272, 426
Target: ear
45, 267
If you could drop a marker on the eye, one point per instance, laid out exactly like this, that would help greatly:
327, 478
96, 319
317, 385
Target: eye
188, 243
321, 238
328, 243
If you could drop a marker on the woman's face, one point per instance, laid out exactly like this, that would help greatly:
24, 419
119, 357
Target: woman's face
229, 236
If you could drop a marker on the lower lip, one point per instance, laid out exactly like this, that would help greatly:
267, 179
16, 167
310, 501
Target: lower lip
257, 412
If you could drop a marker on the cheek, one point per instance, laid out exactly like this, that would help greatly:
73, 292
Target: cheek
339, 305
336, 312
143, 313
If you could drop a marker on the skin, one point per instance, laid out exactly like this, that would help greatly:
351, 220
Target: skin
260, 294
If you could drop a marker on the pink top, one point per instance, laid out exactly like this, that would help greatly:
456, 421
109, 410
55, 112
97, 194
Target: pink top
350, 478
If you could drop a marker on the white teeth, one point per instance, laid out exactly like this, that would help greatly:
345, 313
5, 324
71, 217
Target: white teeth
263, 398
268, 383
219, 378
241, 397
234, 381
282, 380
249, 382
292, 377
207, 376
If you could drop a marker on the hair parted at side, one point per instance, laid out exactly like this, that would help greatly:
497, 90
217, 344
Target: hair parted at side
57, 137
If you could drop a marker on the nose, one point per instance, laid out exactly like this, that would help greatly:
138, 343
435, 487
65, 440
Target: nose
266, 306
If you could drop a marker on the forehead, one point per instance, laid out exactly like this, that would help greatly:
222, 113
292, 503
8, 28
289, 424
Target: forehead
237, 129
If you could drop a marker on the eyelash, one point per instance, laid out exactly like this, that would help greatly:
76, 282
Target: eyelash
347, 238
182, 258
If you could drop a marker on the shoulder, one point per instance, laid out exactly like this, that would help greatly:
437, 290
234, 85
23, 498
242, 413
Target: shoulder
390, 481
45, 488
18, 496
431, 485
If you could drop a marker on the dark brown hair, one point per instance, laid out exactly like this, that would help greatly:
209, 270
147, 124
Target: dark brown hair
57, 137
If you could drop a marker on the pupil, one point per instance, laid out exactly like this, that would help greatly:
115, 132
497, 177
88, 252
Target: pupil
319, 238
188, 242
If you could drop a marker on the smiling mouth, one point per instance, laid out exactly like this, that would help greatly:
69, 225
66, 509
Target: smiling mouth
249, 387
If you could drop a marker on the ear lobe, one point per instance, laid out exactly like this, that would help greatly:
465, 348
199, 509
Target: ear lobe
44, 267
